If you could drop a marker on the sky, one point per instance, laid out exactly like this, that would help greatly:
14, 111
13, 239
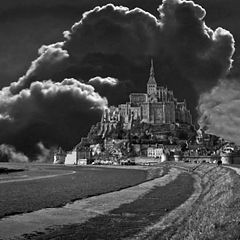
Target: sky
46, 64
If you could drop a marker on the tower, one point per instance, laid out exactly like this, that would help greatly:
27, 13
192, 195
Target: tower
151, 85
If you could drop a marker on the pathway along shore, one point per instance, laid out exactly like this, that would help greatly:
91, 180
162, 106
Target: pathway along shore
149, 201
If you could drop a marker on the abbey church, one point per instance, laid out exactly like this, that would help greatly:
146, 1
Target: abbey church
156, 107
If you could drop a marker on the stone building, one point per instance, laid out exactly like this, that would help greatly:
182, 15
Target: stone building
157, 106
155, 152
59, 156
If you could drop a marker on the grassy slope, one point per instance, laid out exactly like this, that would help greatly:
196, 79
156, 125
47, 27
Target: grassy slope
216, 215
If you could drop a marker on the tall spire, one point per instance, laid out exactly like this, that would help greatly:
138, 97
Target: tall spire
152, 77
152, 69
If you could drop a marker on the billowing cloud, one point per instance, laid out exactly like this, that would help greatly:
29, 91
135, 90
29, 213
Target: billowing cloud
104, 31
52, 60
220, 112
51, 113
103, 81
114, 30
9, 154
201, 54
110, 38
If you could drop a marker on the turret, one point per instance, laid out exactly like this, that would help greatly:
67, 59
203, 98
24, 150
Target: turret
151, 85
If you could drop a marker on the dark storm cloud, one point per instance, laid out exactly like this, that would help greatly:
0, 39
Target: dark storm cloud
105, 31
219, 110
202, 54
117, 42
49, 113
179, 38
113, 30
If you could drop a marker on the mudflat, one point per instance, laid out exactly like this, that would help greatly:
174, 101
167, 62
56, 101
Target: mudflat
45, 186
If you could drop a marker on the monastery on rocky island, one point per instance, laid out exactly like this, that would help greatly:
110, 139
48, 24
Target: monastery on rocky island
158, 106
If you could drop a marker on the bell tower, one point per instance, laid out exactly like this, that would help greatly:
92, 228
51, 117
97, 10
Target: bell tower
151, 85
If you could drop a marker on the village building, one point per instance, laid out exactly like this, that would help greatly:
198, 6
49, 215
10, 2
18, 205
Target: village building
59, 156
71, 157
155, 152
79, 155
